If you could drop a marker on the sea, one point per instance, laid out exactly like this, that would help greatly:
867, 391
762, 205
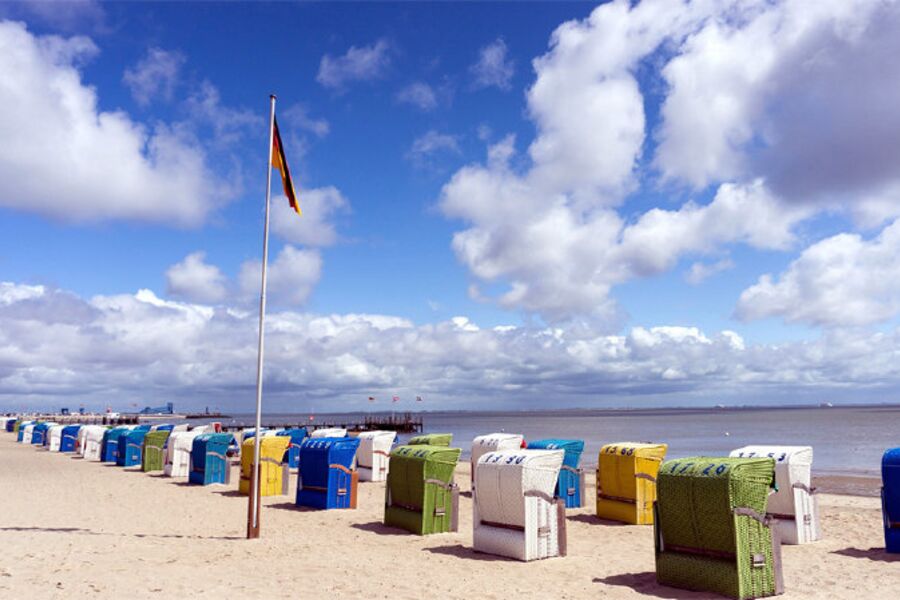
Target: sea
846, 440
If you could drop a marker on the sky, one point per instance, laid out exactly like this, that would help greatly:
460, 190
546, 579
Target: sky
505, 205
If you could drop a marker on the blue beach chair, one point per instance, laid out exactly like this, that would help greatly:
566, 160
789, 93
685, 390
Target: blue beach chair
131, 448
570, 485
109, 448
69, 437
39, 435
890, 499
292, 456
22, 426
209, 458
327, 477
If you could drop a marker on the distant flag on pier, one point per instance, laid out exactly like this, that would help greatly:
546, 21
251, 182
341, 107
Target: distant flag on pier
418, 398
280, 162
371, 398
395, 399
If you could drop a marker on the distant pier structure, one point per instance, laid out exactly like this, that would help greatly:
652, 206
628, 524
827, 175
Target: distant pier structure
401, 423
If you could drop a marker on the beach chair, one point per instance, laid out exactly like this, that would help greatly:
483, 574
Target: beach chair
178, 453
326, 478
273, 473
794, 505
209, 459
39, 433
491, 442
374, 454
420, 495
54, 437
92, 444
292, 455
890, 499
162, 427
711, 529
109, 449
69, 438
10, 424
626, 481
28, 432
131, 448
570, 486
328, 432
22, 428
515, 511
431, 439
154, 450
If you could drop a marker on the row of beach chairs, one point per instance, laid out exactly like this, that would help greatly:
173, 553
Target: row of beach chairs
719, 522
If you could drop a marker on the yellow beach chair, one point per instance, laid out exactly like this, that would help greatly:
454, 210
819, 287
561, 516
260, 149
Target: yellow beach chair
626, 481
273, 475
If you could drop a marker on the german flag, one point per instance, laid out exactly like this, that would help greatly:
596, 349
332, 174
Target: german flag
280, 163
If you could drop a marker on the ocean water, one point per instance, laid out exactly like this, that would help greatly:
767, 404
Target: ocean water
846, 440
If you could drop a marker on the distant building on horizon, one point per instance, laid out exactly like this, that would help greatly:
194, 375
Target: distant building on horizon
168, 409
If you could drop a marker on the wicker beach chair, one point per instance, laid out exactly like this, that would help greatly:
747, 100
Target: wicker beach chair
327, 477
626, 481
374, 454
273, 475
711, 529
39, 433
420, 495
570, 485
492, 442
92, 443
292, 454
794, 505
109, 449
890, 499
154, 450
69, 438
178, 453
328, 432
515, 511
54, 437
209, 459
28, 432
131, 448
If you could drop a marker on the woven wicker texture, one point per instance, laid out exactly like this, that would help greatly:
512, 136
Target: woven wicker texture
431, 439
418, 494
154, 451
702, 544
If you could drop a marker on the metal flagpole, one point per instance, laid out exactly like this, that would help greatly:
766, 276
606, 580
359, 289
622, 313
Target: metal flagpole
253, 514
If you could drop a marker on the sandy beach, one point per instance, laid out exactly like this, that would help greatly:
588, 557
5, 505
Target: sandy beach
70, 527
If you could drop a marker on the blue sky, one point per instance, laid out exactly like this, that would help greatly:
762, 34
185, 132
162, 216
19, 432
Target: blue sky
505, 204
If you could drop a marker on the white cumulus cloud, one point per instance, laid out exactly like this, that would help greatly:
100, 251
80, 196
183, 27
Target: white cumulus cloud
291, 277
195, 280
357, 64
494, 67
155, 75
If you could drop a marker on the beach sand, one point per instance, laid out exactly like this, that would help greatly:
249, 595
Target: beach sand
69, 527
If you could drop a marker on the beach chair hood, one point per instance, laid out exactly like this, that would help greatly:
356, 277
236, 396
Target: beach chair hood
373, 456
890, 499
431, 439
328, 432
626, 481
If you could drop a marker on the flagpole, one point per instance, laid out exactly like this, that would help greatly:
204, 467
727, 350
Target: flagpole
254, 500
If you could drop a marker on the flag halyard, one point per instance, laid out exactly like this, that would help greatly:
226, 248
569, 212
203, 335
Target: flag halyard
280, 162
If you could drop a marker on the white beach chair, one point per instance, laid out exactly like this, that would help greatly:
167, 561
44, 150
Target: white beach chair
54, 437
373, 455
515, 512
26, 437
794, 505
492, 442
334, 432
178, 452
93, 441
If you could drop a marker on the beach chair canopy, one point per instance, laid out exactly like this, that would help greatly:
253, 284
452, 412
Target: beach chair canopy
570, 484
271, 453
69, 438
626, 481
373, 456
794, 503
431, 439
516, 513
890, 499
162, 427
712, 533
154, 450
92, 444
39, 433
483, 444
326, 478
328, 432
421, 496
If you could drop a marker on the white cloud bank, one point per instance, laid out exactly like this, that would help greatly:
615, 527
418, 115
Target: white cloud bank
57, 348
64, 158
757, 113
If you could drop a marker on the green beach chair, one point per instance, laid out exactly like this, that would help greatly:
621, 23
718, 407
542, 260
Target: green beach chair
154, 451
431, 439
711, 529
420, 495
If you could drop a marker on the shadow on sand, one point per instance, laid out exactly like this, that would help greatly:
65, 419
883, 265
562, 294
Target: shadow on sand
645, 584
468, 553
81, 531
876, 554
